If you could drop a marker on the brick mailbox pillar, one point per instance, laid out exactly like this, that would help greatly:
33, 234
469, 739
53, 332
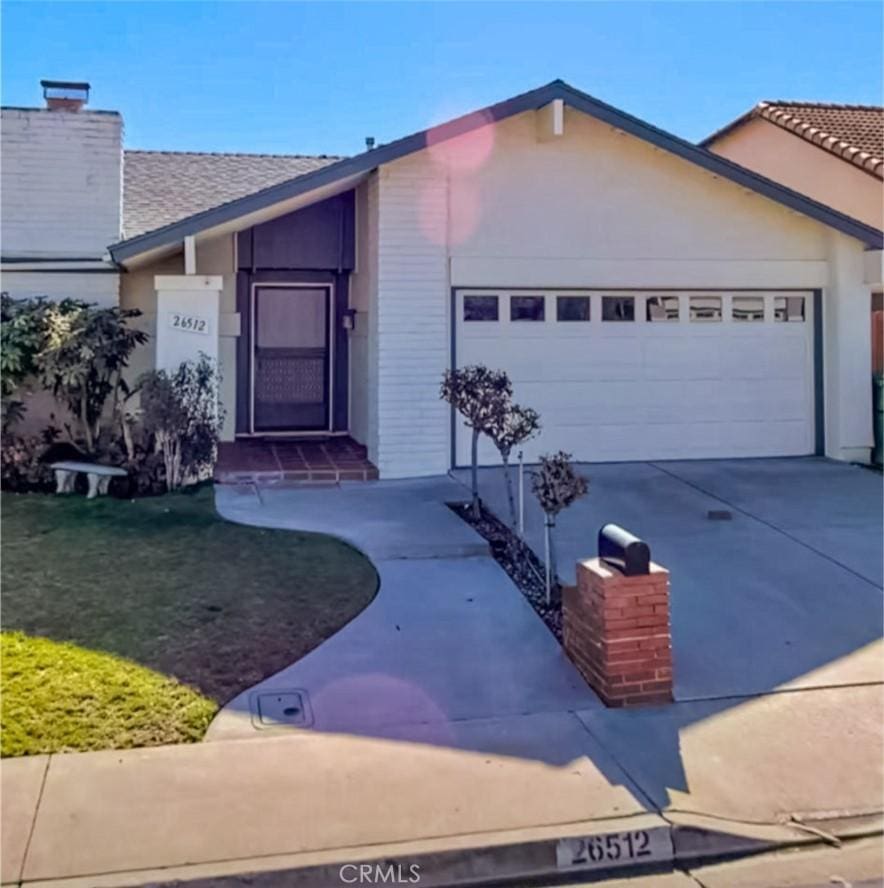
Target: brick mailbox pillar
616, 631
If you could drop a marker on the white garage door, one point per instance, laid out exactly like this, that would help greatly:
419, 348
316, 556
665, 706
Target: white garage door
648, 375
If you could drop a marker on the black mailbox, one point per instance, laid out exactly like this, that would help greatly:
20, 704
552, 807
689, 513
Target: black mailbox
619, 548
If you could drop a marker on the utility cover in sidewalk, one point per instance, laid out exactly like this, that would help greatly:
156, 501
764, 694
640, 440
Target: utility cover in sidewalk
284, 707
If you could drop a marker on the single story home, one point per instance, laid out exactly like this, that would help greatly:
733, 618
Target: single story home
649, 297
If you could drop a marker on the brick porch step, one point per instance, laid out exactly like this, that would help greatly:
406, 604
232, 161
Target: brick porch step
318, 476
305, 461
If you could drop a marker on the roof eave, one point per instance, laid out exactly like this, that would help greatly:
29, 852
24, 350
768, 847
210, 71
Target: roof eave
368, 160
728, 128
767, 111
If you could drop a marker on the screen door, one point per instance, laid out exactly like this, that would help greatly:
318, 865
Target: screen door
290, 375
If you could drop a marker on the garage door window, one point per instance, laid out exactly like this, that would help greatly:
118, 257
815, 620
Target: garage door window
747, 308
705, 308
526, 308
572, 308
789, 308
480, 308
661, 308
618, 308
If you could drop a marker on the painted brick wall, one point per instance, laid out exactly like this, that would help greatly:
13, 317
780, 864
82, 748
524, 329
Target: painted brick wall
100, 288
363, 339
412, 319
61, 182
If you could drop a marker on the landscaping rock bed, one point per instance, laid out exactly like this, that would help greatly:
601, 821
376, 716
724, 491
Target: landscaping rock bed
523, 567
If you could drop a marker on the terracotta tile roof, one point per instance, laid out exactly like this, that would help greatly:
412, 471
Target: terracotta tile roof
854, 133
161, 187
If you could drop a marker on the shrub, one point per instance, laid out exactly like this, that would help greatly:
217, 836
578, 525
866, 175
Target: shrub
85, 355
23, 464
180, 411
26, 326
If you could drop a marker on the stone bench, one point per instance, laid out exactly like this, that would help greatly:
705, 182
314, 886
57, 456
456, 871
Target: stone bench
99, 476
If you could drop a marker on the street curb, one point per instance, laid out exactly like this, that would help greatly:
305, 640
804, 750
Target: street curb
527, 854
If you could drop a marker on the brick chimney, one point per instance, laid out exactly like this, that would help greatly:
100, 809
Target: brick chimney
65, 95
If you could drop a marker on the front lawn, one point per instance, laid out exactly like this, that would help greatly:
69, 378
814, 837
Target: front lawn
169, 611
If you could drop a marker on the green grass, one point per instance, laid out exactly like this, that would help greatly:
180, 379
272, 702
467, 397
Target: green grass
184, 609
59, 697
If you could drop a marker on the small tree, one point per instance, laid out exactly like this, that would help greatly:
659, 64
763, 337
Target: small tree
482, 397
181, 411
508, 429
556, 485
85, 354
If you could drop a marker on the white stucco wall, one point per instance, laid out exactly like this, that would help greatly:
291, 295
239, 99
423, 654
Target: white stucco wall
594, 208
216, 256
61, 182
847, 353
137, 290
784, 157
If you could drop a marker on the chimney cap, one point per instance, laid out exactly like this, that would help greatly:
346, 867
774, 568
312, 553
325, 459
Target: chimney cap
65, 95
80, 85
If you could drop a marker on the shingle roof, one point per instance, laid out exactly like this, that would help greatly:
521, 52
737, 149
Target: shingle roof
352, 168
854, 133
161, 187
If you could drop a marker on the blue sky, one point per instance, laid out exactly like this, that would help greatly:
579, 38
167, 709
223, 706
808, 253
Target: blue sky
319, 77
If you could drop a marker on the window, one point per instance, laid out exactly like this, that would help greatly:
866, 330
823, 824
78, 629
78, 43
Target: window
705, 308
526, 308
572, 308
747, 308
618, 308
480, 308
789, 308
661, 308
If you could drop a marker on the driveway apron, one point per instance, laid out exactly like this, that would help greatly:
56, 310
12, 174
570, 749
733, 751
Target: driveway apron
784, 595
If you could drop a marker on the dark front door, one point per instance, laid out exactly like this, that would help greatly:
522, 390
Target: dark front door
291, 363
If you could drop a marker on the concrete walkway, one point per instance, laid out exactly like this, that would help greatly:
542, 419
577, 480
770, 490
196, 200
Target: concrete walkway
447, 638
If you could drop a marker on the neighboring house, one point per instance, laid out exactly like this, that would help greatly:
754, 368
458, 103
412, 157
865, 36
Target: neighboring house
832, 153
651, 299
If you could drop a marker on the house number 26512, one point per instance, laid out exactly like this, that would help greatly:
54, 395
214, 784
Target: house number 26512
188, 323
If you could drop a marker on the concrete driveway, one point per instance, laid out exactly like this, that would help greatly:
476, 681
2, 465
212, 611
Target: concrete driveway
450, 658
787, 594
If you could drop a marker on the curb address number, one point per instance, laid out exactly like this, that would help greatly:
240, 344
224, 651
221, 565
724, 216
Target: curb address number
188, 323
614, 849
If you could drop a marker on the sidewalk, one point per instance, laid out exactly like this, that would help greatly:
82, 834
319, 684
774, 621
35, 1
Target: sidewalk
313, 801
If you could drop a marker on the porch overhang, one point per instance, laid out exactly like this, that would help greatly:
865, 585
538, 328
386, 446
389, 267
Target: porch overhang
149, 247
